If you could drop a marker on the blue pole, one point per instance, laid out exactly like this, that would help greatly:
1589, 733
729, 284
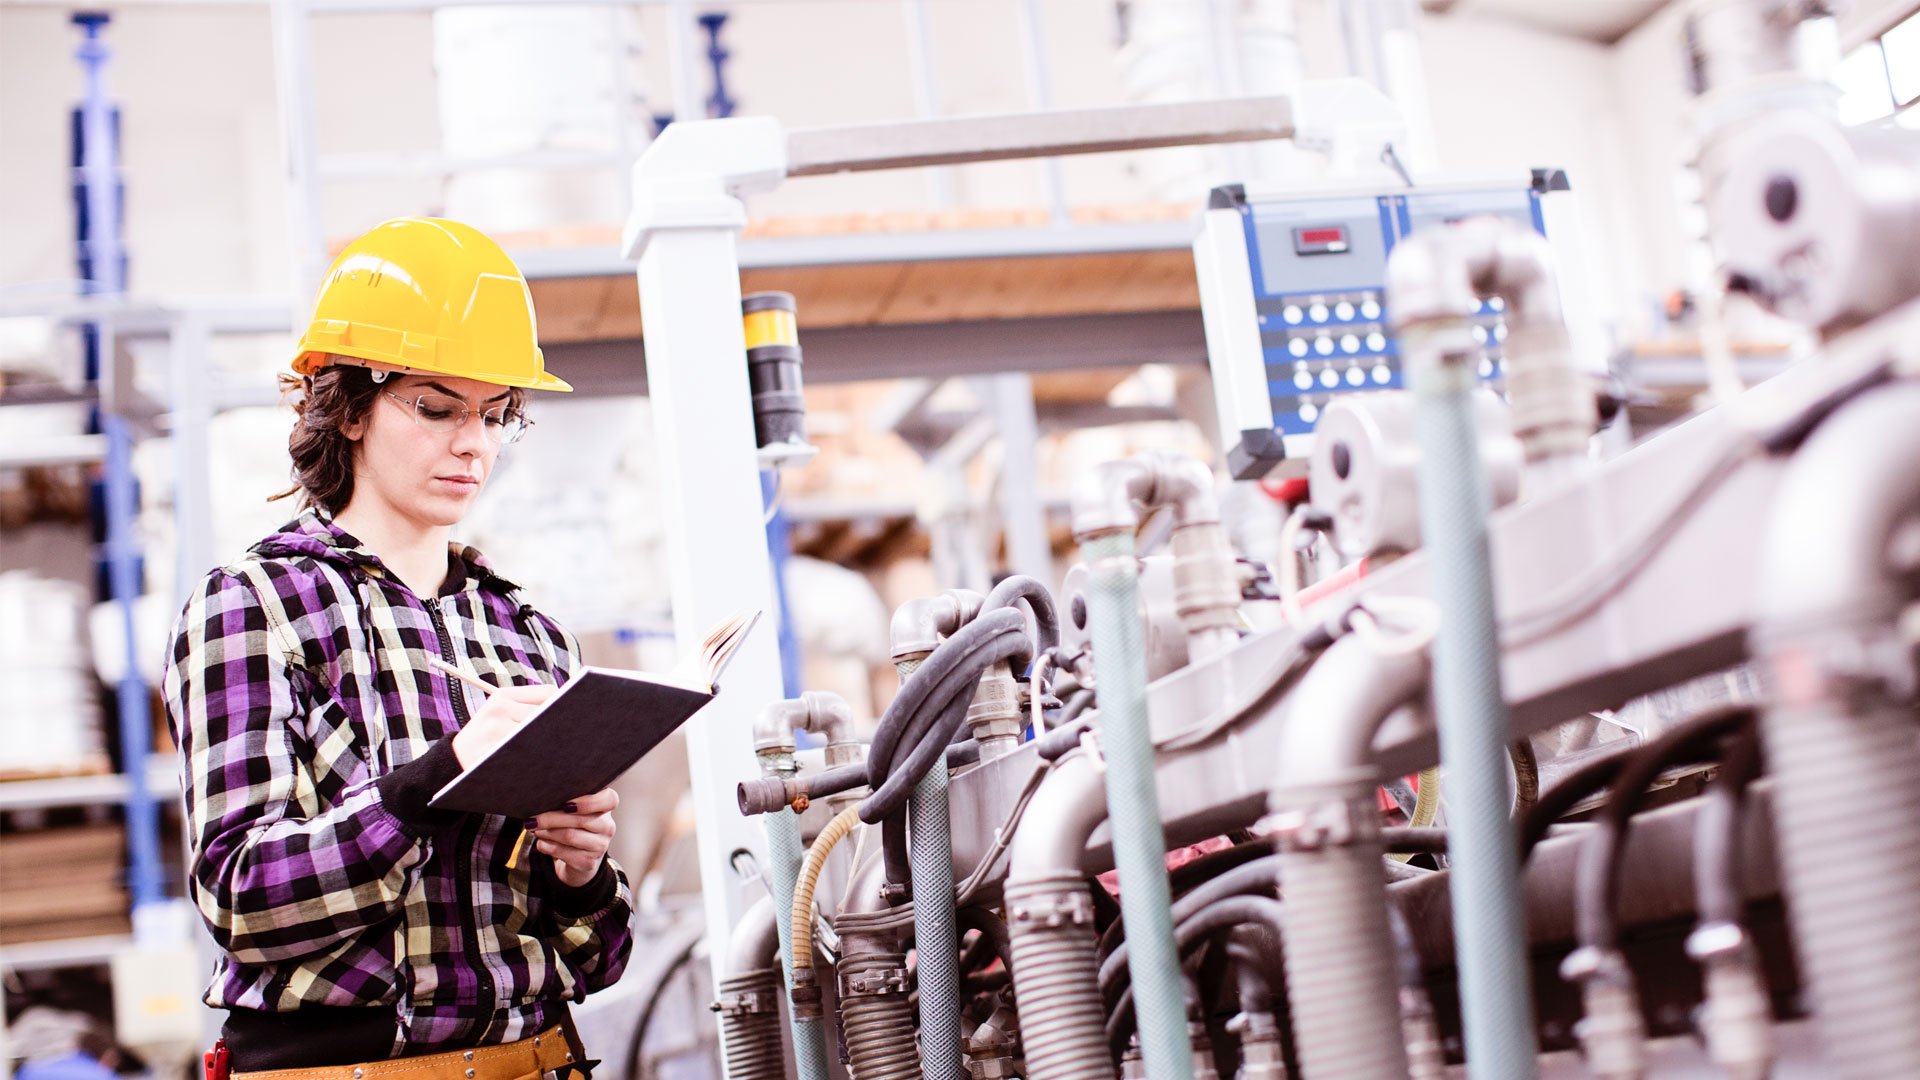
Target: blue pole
779, 550
102, 263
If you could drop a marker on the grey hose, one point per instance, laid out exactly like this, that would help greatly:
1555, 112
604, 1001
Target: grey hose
1496, 1002
784, 852
1840, 742
1133, 805
936, 940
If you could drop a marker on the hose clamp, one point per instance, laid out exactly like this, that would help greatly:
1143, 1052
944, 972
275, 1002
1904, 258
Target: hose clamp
747, 1003
888, 980
1335, 823
1052, 910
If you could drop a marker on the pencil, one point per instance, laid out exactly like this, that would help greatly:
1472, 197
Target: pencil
525, 839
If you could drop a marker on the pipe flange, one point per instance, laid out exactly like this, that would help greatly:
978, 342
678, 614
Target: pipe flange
1052, 910
870, 983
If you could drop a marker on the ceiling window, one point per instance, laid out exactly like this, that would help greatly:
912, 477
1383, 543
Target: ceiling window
1882, 77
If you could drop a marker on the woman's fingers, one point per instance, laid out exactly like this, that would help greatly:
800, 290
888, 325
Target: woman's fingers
600, 823
578, 839
600, 802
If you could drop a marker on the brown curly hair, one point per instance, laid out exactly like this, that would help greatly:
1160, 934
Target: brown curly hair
326, 404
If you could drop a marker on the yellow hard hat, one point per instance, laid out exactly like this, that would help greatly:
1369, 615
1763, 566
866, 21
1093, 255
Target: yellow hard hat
427, 296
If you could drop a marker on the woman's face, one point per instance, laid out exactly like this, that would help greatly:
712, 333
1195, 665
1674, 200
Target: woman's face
427, 476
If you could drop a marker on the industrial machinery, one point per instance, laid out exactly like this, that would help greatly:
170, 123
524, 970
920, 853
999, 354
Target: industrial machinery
1732, 893
1293, 287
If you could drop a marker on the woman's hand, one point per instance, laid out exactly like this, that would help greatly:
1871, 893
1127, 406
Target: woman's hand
577, 836
501, 716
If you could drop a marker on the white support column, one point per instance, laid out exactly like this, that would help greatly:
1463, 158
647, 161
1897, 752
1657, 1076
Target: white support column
1009, 400
686, 222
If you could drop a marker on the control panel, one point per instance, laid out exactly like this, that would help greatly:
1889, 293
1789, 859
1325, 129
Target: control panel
1293, 291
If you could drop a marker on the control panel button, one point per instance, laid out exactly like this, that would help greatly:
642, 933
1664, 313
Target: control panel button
1369, 308
1382, 374
1343, 311
1323, 346
1349, 343
1291, 313
1376, 341
1318, 313
1298, 346
1309, 412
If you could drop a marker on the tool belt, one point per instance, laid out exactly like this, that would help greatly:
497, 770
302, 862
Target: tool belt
551, 1051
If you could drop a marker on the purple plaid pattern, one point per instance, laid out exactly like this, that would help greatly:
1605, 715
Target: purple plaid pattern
296, 681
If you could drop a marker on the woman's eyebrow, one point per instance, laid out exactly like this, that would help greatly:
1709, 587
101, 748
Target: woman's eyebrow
502, 396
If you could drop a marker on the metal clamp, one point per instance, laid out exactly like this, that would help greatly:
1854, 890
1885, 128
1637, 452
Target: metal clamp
1331, 824
889, 980
744, 1003
1052, 910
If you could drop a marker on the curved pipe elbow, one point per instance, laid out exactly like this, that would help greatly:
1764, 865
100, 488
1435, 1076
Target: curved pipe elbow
773, 728
827, 715
1524, 273
1103, 500
919, 624
1186, 484
1070, 804
1845, 495
755, 942
1335, 712
1108, 497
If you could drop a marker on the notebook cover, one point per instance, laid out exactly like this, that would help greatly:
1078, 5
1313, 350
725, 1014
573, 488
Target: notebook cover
590, 733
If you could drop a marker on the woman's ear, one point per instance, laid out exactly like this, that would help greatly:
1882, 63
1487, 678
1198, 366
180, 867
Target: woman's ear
354, 430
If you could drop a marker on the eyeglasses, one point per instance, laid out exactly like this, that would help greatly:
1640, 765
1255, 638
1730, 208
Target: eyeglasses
438, 412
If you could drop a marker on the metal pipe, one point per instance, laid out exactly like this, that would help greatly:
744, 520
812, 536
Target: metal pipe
1432, 289
919, 624
748, 998
1840, 739
1050, 919
1341, 975
1139, 842
784, 854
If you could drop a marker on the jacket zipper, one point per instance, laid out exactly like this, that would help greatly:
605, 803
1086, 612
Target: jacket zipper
469, 835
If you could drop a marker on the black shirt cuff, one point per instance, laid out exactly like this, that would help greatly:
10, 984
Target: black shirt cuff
577, 901
405, 790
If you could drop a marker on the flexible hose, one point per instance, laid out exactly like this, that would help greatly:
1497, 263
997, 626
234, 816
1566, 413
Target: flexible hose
1562, 797
932, 705
1597, 880
1341, 973
1496, 1002
1720, 834
936, 941
1426, 807
1050, 921
993, 933
1234, 911
1736, 1016
1022, 589
1133, 804
750, 1026
785, 855
1256, 877
877, 1027
801, 944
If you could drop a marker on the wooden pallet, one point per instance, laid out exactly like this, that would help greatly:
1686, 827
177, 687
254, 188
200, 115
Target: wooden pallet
64, 881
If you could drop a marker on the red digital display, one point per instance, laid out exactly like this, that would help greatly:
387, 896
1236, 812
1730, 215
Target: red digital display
1320, 240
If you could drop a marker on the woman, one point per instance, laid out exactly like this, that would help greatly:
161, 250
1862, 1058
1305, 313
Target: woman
356, 923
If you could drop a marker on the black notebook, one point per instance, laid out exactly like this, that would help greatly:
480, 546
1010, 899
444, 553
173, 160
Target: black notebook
594, 729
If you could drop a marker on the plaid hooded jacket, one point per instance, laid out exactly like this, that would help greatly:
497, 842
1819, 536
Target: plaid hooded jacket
313, 732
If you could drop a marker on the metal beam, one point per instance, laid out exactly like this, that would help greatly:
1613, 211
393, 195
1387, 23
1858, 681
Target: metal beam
854, 353
962, 140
